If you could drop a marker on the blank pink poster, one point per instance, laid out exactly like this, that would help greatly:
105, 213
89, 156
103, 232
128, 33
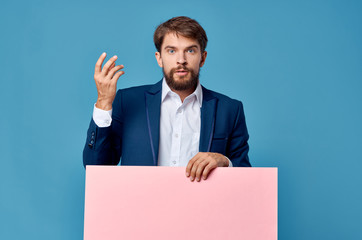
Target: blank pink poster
134, 203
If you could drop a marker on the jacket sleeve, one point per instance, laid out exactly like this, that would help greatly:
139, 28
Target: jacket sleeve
238, 146
103, 145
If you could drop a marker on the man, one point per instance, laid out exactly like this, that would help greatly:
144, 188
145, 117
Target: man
175, 122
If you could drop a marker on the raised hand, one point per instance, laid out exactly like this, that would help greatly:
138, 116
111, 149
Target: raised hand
106, 81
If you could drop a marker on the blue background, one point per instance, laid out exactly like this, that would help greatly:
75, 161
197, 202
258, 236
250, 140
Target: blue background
296, 65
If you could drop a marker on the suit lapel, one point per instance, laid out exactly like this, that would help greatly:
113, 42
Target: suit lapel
208, 114
153, 108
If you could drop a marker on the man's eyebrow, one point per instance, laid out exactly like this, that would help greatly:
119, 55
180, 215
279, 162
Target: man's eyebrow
192, 46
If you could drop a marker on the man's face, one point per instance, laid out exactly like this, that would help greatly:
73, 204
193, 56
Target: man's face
181, 59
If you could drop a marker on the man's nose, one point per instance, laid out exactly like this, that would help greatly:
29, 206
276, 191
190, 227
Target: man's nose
181, 59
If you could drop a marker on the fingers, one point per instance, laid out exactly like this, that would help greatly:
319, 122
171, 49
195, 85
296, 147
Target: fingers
112, 66
196, 166
191, 163
207, 170
114, 69
203, 163
106, 81
108, 64
109, 71
116, 76
200, 169
98, 67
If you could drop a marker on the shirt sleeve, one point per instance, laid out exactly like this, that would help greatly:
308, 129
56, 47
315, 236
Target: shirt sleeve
230, 163
102, 118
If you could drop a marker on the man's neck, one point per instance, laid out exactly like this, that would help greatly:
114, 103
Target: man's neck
184, 93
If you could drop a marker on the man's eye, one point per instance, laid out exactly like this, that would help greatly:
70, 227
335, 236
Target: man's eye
191, 51
171, 51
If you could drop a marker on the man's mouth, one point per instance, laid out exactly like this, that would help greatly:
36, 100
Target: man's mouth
182, 72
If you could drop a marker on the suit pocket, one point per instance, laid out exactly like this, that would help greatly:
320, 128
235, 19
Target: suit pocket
219, 144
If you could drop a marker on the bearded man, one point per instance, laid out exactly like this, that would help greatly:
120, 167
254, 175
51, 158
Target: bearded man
175, 122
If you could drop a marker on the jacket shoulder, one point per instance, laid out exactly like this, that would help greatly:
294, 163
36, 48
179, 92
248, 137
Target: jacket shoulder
222, 98
135, 90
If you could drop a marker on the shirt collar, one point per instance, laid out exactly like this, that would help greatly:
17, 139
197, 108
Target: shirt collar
166, 90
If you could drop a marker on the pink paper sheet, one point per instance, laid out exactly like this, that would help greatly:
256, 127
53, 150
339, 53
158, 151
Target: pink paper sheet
132, 203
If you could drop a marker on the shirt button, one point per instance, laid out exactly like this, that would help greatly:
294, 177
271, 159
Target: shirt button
176, 135
174, 162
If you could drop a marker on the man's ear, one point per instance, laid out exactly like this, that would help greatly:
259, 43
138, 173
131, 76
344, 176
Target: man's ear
159, 59
203, 58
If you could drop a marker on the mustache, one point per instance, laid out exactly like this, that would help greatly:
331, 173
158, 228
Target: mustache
180, 68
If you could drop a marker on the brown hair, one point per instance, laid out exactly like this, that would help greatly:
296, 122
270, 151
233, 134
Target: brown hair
184, 26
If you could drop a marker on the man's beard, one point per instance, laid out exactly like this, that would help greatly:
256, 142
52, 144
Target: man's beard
181, 85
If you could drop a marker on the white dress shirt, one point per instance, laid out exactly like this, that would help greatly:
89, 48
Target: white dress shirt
180, 124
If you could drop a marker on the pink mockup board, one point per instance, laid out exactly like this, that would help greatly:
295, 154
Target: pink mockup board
134, 203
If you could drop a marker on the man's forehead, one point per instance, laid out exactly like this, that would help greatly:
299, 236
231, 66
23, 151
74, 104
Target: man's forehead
177, 40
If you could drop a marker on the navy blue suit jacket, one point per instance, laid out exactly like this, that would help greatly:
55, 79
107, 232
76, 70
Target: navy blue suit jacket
133, 135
